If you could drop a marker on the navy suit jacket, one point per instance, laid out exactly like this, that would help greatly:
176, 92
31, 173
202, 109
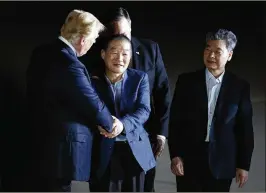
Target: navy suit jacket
147, 58
232, 142
64, 108
134, 112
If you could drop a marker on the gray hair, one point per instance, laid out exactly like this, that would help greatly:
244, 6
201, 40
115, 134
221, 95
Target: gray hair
223, 34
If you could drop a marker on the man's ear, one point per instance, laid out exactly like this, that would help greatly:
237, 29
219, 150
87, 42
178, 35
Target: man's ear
230, 55
102, 54
82, 41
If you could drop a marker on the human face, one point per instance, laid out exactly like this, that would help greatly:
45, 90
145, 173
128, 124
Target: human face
122, 26
117, 56
216, 55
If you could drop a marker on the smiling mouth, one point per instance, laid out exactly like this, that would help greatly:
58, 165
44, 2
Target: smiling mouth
209, 61
119, 65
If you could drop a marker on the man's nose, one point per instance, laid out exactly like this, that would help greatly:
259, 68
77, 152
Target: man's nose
212, 55
119, 57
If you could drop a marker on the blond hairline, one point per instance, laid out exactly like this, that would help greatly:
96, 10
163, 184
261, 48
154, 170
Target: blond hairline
80, 23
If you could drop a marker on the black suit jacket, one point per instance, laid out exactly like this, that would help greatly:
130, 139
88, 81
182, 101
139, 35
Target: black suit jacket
232, 143
146, 57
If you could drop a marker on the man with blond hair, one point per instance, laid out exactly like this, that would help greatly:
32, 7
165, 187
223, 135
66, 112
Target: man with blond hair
64, 108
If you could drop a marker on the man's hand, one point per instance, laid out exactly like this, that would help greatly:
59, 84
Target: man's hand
159, 146
103, 132
177, 166
241, 177
117, 129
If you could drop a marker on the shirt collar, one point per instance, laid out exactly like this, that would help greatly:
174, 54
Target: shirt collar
210, 76
109, 82
67, 43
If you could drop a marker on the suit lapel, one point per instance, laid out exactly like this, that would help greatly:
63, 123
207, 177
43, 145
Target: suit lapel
221, 97
109, 93
105, 88
124, 92
202, 93
139, 62
136, 57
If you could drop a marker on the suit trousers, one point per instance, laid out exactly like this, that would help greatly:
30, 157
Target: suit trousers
123, 174
197, 174
150, 175
44, 184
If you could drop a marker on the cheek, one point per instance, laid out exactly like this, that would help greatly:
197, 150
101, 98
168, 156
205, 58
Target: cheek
205, 56
222, 61
109, 59
127, 61
108, 62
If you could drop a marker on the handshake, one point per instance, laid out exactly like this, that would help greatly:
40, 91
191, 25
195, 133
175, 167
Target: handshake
118, 127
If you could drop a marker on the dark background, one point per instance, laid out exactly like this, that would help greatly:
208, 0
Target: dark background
178, 27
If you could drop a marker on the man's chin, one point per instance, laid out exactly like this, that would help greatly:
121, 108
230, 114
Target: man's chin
119, 71
212, 66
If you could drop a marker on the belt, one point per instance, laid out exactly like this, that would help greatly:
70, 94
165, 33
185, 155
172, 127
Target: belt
121, 142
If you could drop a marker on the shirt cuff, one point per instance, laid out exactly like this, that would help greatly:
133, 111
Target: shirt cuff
161, 137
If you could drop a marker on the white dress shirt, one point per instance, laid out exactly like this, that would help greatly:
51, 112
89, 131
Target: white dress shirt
213, 86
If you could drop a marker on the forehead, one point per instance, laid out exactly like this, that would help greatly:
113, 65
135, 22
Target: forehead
121, 25
216, 44
119, 45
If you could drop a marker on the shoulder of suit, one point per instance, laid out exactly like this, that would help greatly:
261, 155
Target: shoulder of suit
68, 58
190, 75
237, 79
54, 54
135, 73
145, 41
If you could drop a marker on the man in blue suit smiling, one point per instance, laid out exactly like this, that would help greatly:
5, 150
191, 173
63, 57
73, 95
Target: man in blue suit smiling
147, 57
121, 158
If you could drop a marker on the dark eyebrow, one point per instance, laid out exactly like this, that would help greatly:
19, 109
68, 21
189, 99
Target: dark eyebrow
220, 49
114, 48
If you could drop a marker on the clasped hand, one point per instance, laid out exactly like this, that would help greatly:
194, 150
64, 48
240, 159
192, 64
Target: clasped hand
116, 130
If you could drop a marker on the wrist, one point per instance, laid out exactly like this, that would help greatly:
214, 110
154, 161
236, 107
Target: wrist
161, 137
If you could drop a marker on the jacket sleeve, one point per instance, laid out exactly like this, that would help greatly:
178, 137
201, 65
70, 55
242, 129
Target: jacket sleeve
80, 94
244, 130
175, 137
161, 95
132, 121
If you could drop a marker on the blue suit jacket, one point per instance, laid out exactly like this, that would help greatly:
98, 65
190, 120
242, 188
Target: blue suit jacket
64, 108
146, 57
231, 140
135, 111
